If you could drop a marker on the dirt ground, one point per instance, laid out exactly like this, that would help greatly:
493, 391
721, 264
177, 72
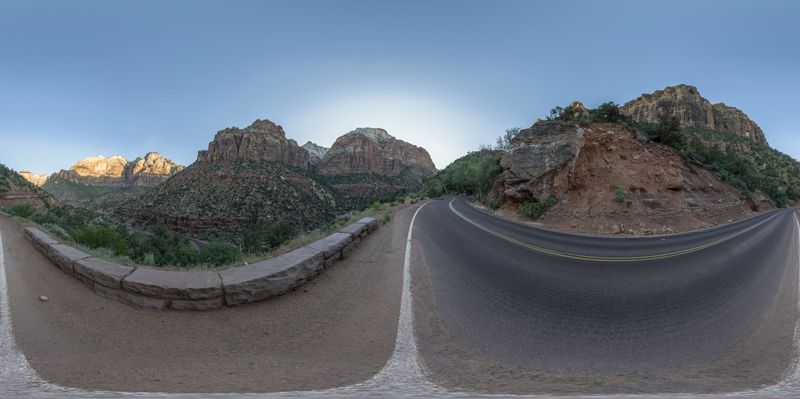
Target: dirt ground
337, 330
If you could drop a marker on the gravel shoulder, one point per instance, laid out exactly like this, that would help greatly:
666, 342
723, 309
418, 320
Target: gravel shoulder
337, 330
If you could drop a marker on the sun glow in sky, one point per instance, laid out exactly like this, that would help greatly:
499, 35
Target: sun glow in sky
101, 78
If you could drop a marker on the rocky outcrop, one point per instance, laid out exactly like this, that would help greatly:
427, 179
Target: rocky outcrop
685, 103
261, 141
605, 180
315, 152
35, 179
371, 150
534, 165
149, 171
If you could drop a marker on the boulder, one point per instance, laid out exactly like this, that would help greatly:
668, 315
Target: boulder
538, 161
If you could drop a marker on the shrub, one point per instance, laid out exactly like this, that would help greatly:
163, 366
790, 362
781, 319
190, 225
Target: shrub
59, 231
219, 254
619, 193
535, 209
607, 112
23, 210
100, 236
148, 260
181, 255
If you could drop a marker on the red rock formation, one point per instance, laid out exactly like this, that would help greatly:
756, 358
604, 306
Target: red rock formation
370, 150
261, 141
685, 103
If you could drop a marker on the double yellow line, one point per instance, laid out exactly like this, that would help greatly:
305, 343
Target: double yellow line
591, 258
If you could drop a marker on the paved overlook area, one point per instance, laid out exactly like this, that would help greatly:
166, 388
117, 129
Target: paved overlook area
445, 300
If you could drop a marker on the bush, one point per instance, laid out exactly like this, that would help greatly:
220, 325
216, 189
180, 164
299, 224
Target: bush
23, 210
100, 236
59, 231
219, 254
619, 192
607, 112
535, 209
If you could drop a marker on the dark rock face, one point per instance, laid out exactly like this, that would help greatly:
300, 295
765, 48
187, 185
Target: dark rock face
534, 164
371, 150
685, 103
261, 141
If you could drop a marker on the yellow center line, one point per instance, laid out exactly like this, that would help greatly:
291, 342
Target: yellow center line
591, 258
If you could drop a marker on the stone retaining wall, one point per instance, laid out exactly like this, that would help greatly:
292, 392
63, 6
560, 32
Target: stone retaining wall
145, 287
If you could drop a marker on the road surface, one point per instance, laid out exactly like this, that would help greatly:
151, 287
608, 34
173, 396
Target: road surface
506, 307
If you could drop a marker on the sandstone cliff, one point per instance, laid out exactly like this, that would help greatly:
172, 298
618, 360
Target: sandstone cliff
96, 170
261, 141
150, 170
35, 179
116, 171
371, 150
606, 181
685, 103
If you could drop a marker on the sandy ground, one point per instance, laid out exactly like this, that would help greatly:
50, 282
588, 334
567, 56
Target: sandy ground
335, 331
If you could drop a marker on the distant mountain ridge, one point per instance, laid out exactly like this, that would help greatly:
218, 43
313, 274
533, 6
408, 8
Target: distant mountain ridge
101, 182
307, 186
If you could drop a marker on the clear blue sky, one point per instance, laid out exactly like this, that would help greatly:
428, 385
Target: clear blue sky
81, 78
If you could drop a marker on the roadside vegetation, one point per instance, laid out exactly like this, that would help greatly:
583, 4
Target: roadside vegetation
535, 209
750, 166
159, 247
472, 174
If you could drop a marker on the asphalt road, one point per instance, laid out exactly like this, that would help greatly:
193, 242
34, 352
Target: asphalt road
506, 307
